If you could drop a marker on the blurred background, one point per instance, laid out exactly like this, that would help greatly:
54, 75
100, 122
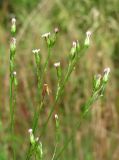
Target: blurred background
98, 136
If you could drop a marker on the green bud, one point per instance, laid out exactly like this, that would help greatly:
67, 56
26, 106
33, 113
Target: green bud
40, 149
78, 46
37, 55
57, 121
32, 139
87, 40
13, 45
59, 72
13, 26
97, 81
73, 50
106, 75
15, 79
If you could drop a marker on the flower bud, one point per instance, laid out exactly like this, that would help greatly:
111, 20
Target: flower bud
58, 68
32, 139
106, 74
13, 26
13, 45
73, 50
14, 78
37, 55
87, 40
97, 81
56, 30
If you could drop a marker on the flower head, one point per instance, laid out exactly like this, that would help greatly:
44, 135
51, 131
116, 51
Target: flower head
14, 73
13, 45
57, 64
56, 30
74, 44
45, 35
106, 74
36, 51
30, 130
107, 70
87, 40
56, 116
13, 21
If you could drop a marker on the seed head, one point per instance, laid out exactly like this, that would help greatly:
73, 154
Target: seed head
45, 90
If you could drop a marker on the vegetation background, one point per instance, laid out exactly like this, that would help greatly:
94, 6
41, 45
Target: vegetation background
98, 136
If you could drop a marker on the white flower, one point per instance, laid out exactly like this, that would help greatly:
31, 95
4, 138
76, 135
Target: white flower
74, 44
56, 116
36, 51
88, 33
106, 74
107, 71
14, 73
37, 139
45, 35
30, 130
87, 40
57, 64
13, 21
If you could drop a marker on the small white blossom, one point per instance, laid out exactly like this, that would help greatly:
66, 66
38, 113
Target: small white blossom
74, 44
13, 21
87, 40
45, 35
88, 33
106, 74
37, 139
56, 116
30, 130
107, 70
57, 64
14, 73
36, 51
